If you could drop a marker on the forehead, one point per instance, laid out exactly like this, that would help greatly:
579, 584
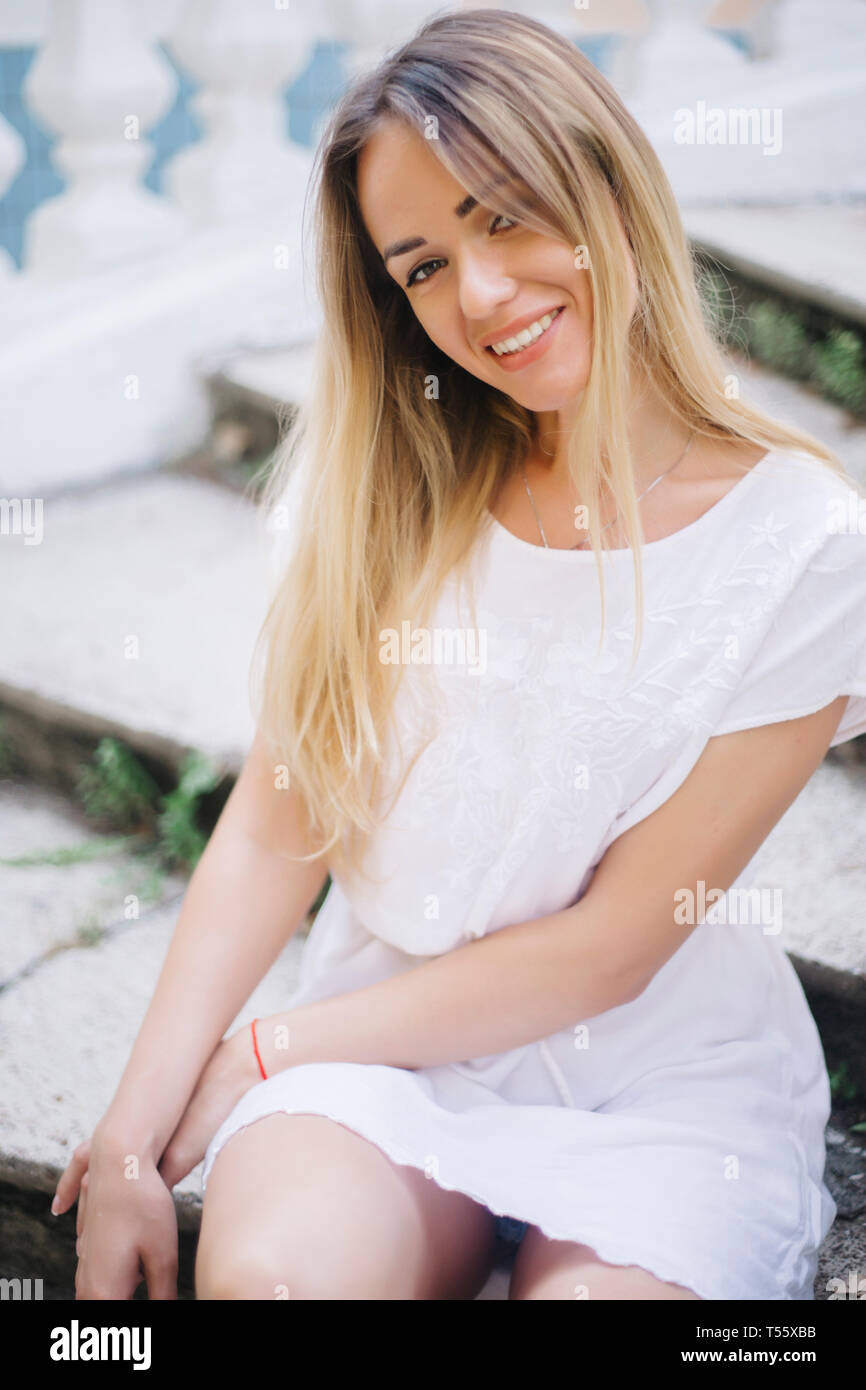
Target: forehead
403, 188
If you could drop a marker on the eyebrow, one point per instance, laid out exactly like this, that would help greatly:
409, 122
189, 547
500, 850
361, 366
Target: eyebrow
463, 209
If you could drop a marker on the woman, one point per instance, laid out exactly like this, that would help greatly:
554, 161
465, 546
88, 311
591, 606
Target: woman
530, 993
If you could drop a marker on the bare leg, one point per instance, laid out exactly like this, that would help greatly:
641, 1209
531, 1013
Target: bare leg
558, 1269
302, 1207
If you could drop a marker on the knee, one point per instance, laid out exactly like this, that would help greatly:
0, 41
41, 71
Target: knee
324, 1271
239, 1274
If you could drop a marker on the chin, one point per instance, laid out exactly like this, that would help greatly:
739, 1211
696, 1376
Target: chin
553, 395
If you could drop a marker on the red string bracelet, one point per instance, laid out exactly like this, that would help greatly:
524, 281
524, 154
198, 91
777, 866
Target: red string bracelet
256, 1050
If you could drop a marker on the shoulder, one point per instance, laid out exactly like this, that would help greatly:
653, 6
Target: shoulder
738, 485
804, 479
825, 509
807, 527
798, 502
723, 463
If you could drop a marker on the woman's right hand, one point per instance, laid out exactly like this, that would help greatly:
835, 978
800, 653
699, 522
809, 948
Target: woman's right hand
126, 1223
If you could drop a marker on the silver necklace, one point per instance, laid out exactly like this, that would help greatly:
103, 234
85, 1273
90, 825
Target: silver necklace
581, 544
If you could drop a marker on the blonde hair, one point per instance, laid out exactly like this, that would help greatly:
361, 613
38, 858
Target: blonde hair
394, 487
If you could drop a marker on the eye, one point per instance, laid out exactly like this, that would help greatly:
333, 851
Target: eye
413, 277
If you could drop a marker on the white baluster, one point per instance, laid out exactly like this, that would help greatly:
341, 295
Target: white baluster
559, 16
99, 84
755, 19
330, 28
375, 27
244, 55
13, 154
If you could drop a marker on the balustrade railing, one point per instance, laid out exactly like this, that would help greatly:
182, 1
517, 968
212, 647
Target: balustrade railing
125, 292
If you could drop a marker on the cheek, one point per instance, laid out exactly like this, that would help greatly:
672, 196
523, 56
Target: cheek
443, 331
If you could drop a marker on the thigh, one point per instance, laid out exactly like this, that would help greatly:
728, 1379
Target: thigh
300, 1206
560, 1269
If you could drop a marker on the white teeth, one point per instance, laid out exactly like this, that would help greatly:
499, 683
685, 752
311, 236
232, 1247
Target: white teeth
525, 336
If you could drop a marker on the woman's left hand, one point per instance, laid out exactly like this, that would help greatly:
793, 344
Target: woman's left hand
230, 1073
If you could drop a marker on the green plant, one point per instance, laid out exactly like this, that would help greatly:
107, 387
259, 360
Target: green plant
840, 369
117, 790
843, 1089
800, 340
778, 337
181, 840
72, 854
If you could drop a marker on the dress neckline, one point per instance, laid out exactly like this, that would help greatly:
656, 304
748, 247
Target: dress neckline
738, 489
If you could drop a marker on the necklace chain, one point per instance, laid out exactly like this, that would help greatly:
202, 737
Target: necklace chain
581, 544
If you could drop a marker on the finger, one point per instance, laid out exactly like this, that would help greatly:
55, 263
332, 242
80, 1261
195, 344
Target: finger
160, 1271
82, 1213
70, 1179
100, 1279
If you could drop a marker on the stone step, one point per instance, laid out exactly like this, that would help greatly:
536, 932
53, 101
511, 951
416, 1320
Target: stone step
270, 379
63, 886
809, 81
813, 254
136, 616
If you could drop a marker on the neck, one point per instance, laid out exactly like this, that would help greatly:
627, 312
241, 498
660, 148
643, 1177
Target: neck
656, 438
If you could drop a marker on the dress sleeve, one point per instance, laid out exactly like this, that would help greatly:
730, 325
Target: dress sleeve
814, 650
798, 609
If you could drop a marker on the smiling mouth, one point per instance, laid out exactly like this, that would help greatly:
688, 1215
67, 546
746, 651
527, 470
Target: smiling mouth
536, 338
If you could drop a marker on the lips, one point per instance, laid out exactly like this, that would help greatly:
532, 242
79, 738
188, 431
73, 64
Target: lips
524, 358
511, 330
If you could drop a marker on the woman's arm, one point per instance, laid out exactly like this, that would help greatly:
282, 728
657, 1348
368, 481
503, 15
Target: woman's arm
244, 901
524, 982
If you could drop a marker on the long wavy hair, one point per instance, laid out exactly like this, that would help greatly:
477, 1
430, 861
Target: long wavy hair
390, 487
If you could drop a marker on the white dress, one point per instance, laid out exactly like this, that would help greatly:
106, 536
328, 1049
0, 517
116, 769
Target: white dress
682, 1132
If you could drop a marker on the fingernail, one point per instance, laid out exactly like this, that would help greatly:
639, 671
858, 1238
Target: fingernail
55, 1210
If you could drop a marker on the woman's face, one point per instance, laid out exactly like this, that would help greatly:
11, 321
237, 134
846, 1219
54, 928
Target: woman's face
474, 277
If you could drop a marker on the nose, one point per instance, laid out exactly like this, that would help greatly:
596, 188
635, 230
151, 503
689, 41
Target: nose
484, 286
